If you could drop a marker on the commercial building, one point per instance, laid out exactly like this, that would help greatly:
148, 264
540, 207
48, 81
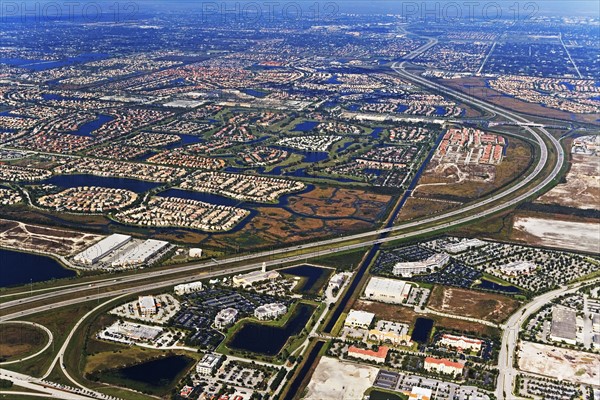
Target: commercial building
517, 268
388, 332
96, 252
147, 305
359, 319
246, 280
378, 356
461, 342
186, 288
410, 268
443, 365
195, 252
387, 290
464, 245
336, 281
225, 317
208, 364
564, 325
270, 311
140, 254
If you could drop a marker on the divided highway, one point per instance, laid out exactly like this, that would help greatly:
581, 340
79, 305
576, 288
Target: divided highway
505, 199
483, 208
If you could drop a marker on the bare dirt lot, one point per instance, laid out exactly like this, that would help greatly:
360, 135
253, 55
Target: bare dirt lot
582, 189
571, 365
583, 236
469, 303
335, 379
42, 239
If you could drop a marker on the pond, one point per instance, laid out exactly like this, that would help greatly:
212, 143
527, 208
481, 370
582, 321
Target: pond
267, 339
306, 126
314, 278
17, 268
157, 377
422, 330
489, 285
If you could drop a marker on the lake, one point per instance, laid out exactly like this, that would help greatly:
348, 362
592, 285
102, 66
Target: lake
157, 377
70, 181
422, 330
17, 268
306, 126
314, 278
269, 340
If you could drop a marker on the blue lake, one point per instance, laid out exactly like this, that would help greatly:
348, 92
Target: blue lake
89, 127
269, 340
489, 285
315, 277
18, 268
306, 126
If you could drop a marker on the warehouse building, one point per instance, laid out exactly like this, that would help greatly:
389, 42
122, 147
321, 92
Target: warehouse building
564, 325
96, 252
392, 291
359, 319
141, 254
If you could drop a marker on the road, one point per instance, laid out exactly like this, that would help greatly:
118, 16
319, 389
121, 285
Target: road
480, 209
506, 358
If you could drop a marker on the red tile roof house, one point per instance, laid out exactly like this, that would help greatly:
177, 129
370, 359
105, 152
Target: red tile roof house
378, 356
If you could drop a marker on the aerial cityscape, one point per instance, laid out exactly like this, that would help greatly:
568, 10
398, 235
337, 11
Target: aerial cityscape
300, 200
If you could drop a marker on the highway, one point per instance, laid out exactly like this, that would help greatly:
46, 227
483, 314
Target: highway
490, 205
507, 198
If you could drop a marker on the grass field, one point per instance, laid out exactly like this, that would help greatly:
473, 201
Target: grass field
20, 340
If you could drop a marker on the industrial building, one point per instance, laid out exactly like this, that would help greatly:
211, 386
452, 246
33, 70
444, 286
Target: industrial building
410, 268
147, 305
225, 317
443, 365
96, 252
140, 254
195, 252
208, 364
392, 291
186, 288
359, 319
564, 325
270, 311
